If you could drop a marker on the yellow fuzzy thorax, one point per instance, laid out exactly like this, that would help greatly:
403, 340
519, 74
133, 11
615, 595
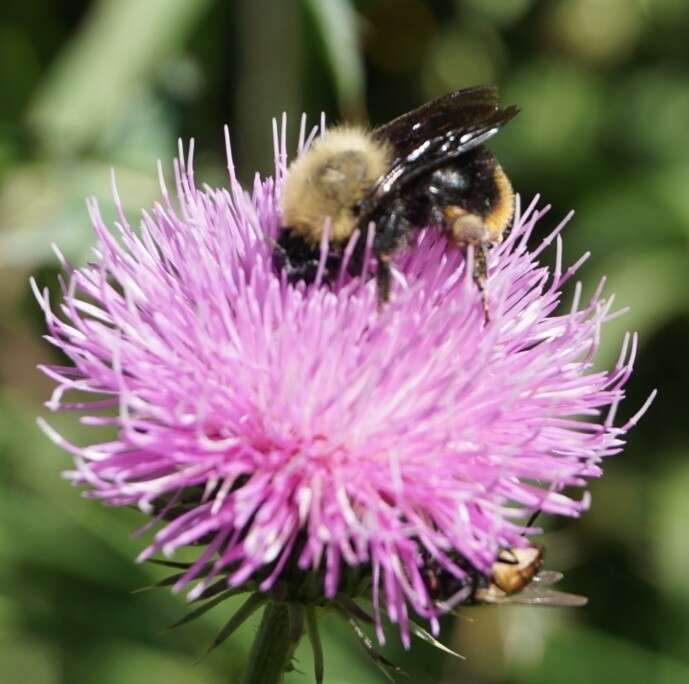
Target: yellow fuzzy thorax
325, 183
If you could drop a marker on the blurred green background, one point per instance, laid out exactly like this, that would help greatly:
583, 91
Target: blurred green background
604, 88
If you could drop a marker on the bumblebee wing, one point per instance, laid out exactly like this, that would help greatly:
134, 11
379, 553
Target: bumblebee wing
427, 156
461, 110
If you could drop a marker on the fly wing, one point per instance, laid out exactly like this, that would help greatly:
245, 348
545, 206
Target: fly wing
542, 597
536, 593
547, 577
461, 110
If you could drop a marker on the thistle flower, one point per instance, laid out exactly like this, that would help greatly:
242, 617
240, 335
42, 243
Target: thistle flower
308, 439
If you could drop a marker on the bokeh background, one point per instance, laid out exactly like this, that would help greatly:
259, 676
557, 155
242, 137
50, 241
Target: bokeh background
604, 88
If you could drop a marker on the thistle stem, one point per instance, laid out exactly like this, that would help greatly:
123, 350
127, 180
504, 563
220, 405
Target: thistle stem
281, 629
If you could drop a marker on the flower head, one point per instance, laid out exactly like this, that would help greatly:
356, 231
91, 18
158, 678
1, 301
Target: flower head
305, 429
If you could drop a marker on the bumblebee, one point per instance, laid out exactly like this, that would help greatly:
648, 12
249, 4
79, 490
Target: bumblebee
515, 577
428, 167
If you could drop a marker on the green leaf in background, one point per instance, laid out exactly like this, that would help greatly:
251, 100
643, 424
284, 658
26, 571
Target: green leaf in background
560, 103
577, 654
595, 31
119, 46
337, 24
118, 662
500, 11
29, 660
653, 284
33, 222
463, 58
669, 521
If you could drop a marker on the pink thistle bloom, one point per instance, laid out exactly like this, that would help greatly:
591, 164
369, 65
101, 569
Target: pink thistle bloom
303, 426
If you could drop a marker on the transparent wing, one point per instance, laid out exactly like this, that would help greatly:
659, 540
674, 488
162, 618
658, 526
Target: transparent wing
538, 593
541, 597
547, 577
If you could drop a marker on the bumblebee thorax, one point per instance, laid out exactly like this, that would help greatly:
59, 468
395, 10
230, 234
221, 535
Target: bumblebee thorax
329, 179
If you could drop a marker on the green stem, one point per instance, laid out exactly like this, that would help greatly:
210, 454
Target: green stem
278, 635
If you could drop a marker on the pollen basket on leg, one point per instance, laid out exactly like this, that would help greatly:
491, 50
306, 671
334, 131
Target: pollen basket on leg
465, 228
328, 180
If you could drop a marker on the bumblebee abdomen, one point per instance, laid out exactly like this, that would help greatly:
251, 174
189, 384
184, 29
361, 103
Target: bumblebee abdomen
501, 208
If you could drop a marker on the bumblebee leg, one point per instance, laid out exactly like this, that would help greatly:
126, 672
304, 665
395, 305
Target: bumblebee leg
469, 229
383, 279
391, 231
480, 274
296, 258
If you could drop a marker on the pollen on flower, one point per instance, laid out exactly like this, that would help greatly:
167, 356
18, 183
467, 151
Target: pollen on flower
289, 428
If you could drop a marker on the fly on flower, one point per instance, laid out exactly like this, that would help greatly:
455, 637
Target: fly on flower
514, 577
427, 167
316, 449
